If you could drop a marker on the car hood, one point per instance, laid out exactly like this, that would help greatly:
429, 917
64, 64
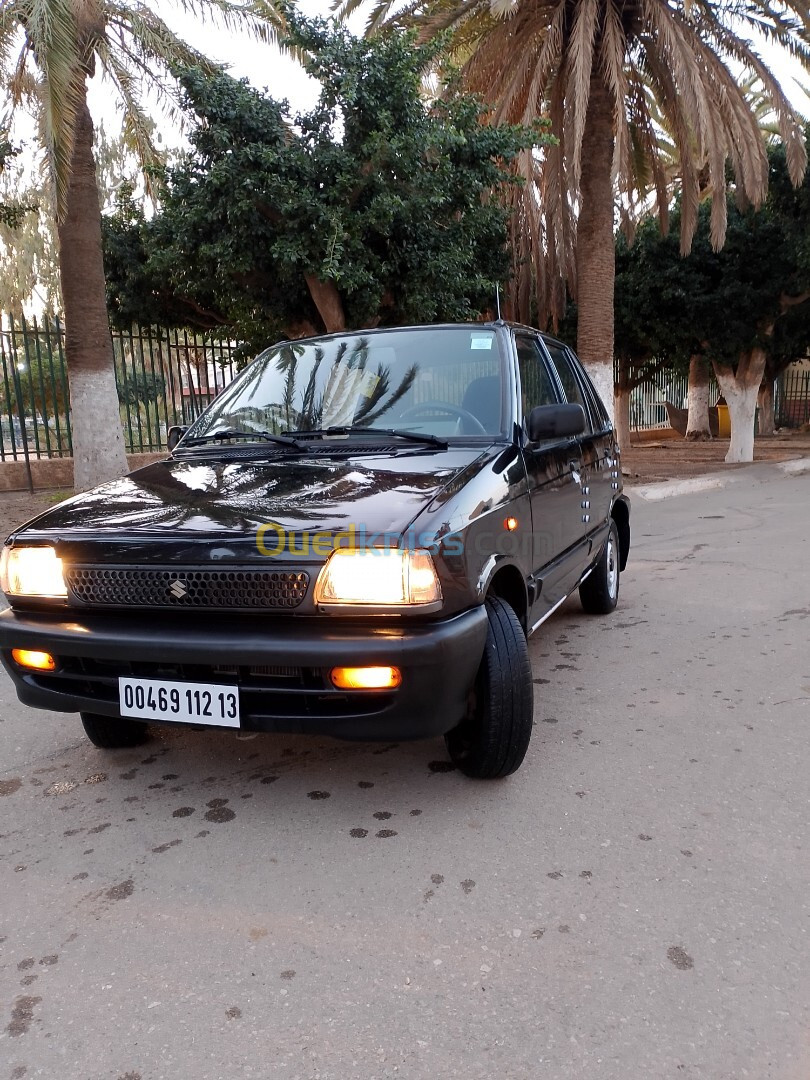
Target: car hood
202, 498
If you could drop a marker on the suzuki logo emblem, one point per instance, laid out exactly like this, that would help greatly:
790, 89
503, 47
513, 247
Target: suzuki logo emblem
178, 590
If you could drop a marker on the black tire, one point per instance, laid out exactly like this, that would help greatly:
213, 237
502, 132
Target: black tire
493, 739
112, 732
599, 592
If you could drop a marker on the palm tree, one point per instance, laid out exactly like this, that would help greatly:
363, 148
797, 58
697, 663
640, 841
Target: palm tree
589, 65
48, 51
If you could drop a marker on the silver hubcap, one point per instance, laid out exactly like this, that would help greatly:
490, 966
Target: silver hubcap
612, 568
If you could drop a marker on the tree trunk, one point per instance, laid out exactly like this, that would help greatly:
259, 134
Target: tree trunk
327, 301
740, 390
765, 405
622, 417
697, 424
98, 442
595, 252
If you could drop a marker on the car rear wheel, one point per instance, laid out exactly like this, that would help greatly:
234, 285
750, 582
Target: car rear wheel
599, 592
110, 732
493, 739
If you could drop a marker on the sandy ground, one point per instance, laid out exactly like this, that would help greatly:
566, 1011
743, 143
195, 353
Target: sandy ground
644, 463
675, 458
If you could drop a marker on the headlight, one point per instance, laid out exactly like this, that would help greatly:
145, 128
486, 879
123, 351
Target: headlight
31, 571
383, 577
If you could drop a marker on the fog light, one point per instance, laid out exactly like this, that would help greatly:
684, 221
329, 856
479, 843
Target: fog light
366, 678
30, 658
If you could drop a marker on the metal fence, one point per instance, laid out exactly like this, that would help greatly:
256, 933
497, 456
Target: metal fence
164, 377
647, 401
792, 399
647, 409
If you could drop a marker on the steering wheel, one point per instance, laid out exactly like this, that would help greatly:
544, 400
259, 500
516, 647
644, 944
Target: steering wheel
415, 411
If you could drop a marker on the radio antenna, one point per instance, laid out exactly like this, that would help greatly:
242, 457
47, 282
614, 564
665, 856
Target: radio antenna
498, 298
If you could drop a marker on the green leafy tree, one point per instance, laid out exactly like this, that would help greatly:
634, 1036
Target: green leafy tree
375, 208
48, 51
744, 309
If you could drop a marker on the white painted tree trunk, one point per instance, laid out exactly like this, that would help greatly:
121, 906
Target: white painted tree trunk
622, 418
697, 424
98, 447
740, 390
602, 378
765, 405
98, 444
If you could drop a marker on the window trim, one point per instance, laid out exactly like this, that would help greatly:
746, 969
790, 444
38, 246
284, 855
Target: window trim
575, 365
543, 357
601, 421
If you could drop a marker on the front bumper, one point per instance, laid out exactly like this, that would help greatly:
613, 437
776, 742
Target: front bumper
280, 665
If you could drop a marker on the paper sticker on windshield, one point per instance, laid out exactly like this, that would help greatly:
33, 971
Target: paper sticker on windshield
479, 341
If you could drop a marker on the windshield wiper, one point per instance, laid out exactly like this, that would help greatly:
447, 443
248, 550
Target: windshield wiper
396, 433
233, 433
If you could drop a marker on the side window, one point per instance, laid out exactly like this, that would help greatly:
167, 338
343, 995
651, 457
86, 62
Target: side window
536, 387
570, 384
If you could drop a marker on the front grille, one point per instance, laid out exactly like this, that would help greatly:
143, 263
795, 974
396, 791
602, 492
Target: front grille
234, 590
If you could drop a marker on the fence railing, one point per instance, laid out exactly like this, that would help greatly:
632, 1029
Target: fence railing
647, 401
164, 377
792, 398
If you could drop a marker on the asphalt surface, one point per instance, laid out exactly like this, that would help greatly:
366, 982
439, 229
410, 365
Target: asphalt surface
633, 903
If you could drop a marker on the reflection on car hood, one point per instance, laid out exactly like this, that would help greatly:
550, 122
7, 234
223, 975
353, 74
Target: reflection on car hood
201, 497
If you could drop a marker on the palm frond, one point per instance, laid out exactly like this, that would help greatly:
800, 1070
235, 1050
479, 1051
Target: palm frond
612, 57
582, 51
142, 37
52, 32
261, 19
137, 128
788, 122
673, 108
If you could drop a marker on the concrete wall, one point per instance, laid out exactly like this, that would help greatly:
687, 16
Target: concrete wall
55, 472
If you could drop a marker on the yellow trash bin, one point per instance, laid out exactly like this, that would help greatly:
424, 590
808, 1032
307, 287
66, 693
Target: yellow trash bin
723, 422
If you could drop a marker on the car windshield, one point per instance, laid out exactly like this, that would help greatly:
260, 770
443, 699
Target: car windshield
440, 381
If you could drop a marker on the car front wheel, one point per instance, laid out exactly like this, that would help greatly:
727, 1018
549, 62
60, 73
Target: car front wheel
599, 592
493, 739
110, 732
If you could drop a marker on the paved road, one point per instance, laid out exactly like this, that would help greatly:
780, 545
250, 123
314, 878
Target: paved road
633, 903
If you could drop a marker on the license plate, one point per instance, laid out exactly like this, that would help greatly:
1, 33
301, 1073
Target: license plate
181, 702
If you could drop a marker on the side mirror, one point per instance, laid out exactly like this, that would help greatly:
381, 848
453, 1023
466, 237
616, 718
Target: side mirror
555, 421
175, 434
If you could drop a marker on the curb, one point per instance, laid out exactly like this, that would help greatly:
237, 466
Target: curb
796, 467
712, 481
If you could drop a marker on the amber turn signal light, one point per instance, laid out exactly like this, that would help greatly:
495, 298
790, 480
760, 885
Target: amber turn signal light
510, 524
30, 658
366, 678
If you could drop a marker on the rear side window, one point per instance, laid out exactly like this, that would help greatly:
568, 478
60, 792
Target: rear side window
536, 386
570, 384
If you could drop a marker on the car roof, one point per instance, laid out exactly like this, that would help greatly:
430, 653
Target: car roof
489, 324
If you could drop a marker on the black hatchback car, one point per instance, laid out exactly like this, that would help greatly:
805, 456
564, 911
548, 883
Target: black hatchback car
354, 539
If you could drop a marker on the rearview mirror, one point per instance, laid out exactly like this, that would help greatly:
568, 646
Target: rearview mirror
175, 434
555, 421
